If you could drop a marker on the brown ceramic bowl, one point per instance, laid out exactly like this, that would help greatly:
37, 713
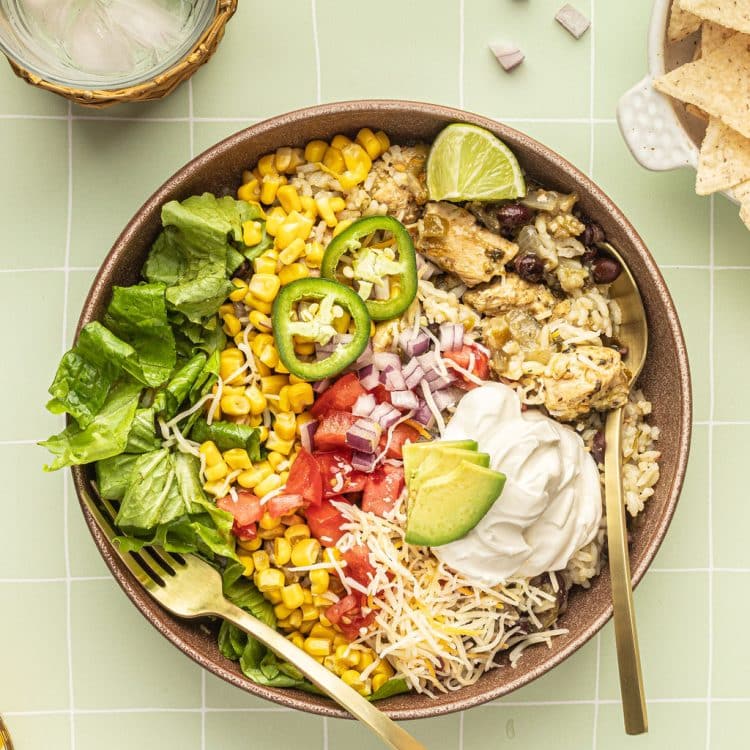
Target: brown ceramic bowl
665, 379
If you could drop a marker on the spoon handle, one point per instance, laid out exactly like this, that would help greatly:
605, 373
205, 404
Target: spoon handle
626, 636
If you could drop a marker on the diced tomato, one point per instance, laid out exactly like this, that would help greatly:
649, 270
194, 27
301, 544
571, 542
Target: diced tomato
383, 488
325, 521
463, 358
246, 510
381, 394
284, 505
401, 434
304, 479
340, 396
347, 614
245, 533
337, 474
331, 432
358, 564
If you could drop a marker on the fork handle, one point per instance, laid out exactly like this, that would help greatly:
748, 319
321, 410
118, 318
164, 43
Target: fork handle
388, 731
626, 636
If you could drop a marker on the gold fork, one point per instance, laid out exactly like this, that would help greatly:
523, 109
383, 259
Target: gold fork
189, 587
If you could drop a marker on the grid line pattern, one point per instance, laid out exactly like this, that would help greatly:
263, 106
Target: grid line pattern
112, 161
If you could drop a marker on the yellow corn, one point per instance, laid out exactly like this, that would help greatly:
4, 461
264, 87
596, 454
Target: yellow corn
260, 342
250, 191
282, 158
295, 249
263, 435
300, 396
317, 646
341, 226
217, 489
247, 563
273, 596
235, 406
295, 619
305, 552
270, 534
264, 286
275, 459
252, 232
341, 324
275, 443
276, 218
267, 521
309, 612
265, 263
296, 226
297, 159
240, 290
339, 640
291, 273
283, 403
315, 150
269, 187
237, 458
216, 472
271, 578
261, 561
255, 304
211, 452
284, 476
259, 320
384, 667
273, 384
385, 142
331, 553
252, 477
350, 657
314, 254
321, 631
282, 551
226, 309
308, 206
366, 658
285, 425
230, 360
266, 165
281, 610
326, 210
289, 198
251, 545
358, 165
297, 639
297, 532
305, 348
269, 355
292, 595
269, 484
369, 142
232, 325
333, 159
339, 141
322, 616
281, 368
378, 680
257, 400
323, 602
292, 519
319, 580
303, 419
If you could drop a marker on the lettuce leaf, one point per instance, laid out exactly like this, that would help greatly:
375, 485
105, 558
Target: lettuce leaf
113, 475
142, 437
105, 436
228, 435
168, 401
138, 315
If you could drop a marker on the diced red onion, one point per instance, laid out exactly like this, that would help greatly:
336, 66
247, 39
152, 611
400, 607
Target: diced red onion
365, 358
364, 435
369, 378
321, 385
404, 400
423, 415
324, 350
413, 373
439, 382
451, 336
425, 268
307, 433
364, 461
379, 411
343, 338
364, 405
413, 345
385, 414
444, 398
382, 360
394, 380
429, 362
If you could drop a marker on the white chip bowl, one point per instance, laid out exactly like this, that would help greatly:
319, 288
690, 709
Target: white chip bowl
660, 133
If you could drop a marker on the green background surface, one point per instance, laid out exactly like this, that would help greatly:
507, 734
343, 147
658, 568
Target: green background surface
79, 667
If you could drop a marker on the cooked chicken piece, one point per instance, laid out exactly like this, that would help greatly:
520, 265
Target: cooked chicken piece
589, 377
452, 238
399, 184
511, 292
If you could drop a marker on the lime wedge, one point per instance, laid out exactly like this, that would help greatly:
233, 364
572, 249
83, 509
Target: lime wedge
468, 163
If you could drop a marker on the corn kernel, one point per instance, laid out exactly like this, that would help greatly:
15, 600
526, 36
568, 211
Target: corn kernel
340, 640
257, 400
347, 655
273, 384
285, 425
264, 264
384, 667
378, 680
282, 158
237, 458
282, 551
276, 217
260, 342
266, 165
250, 191
267, 521
296, 639
251, 545
293, 519
225, 309
324, 621
263, 370
269, 484
259, 320
216, 472
308, 206
291, 273
384, 141
341, 324
314, 254
339, 141
326, 211
321, 631
366, 658
296, 160
252, 232
270, 534
305, 627
281, 610
351, 678
315, 150
292, 595
232, 325
264, 286
289, 198
284, 476
295, 250
281, 368
295, 619
275, 459
263, 435
269, 356
331, 553
305, 552
253, 477
283, 402
273, 596
275, 443
318, 647
309, 612
261, 561
366, 138
341, 226
235, 406
255, 421
296, 532
333, 159
211, 452
319, 580
247, 563
304, 348
230, 361
270, 578
258, 305
358, 165
240, 290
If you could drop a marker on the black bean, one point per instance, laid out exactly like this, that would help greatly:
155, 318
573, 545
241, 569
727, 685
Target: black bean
530, 267
589, 256
598, 447
605, 269
243, 270
592, 234
624, 351
514, 215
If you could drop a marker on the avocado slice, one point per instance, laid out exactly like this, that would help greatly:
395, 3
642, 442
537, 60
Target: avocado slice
448, 507
415, 453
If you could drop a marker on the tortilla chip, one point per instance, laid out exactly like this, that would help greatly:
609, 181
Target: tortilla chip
724, 160
742, 193
713, 36
681, 23
697, 112
718, 83
734, 14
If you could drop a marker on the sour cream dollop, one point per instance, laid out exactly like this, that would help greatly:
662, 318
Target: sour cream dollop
551, 505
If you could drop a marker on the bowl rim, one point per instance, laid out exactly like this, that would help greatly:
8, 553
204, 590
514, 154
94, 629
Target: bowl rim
101, 286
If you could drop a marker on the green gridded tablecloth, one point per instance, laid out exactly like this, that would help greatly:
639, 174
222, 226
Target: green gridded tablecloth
80, 669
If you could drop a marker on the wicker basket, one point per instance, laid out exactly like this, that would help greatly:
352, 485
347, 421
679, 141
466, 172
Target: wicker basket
158, 87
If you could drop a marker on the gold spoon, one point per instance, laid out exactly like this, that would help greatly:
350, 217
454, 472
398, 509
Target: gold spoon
5, 741
633, 335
